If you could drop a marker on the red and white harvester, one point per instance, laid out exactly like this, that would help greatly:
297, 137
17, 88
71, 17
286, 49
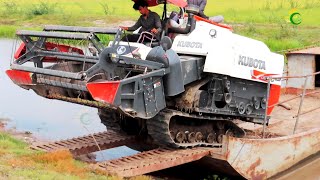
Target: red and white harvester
185, 90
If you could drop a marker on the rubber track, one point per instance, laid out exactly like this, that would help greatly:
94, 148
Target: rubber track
158, 128
86, 144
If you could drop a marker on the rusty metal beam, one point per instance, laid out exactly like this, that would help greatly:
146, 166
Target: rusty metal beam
153, 160
264, 158
86, 144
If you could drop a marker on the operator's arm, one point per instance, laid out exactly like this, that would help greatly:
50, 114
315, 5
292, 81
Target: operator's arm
135, 26
157, 22
202, 7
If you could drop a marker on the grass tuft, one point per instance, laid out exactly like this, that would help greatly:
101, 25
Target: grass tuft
7, 142
60, 161
52, 157
29, 164
8, 31
41, 8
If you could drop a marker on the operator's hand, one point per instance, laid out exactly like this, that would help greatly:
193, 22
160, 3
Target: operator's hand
154, 31
124, 28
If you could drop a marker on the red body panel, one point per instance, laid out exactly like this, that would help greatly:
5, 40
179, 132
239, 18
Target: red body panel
104, 91
20, 77
260, 75
275, 91
180, 3
21, 50
198, 18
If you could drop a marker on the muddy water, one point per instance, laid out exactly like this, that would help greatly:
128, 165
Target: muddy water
49, 119
308, 169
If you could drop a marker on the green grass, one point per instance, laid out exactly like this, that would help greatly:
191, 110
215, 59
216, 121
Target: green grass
7, 31
281, 37
266, 20
15, 146
265, 11
17, 161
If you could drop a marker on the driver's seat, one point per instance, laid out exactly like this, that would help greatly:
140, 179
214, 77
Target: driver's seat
148, 39
146, 36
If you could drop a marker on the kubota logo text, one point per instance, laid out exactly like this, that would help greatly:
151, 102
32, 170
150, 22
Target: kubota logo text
189, 44
121, 50
251, 62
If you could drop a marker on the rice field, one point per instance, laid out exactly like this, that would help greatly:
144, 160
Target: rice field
266, 20
266, 11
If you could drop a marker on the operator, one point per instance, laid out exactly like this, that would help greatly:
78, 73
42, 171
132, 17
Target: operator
149, 21
202, 4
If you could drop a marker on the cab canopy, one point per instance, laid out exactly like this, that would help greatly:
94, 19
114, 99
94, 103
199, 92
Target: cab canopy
180, 3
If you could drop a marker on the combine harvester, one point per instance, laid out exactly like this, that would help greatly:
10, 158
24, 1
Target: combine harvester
187, 92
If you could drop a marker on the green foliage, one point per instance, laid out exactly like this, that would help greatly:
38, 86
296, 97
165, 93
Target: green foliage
7, 142
283, 44
17, 161
7, 31
10, 7
312, 4
281, 4
17, 147
267, 5
216, 177
41, 8
39, 174
106, 9
294, 4
264, 10
105, 39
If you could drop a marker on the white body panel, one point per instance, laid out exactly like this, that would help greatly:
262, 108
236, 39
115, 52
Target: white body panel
136, 48
230, 54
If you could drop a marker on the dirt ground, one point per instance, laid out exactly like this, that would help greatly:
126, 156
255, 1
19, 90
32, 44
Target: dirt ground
286, 119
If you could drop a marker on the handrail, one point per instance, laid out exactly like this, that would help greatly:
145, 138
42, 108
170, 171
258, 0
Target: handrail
297, 96
270, 78
290, 77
